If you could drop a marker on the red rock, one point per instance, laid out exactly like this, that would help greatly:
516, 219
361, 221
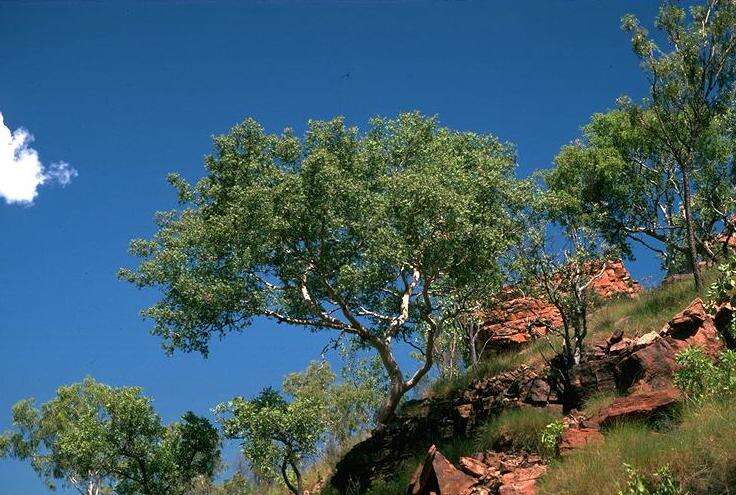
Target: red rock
652, 367
646, 339
521, 481
638, 405
473, 467
518, 319
436, 475
574, 438
619, 346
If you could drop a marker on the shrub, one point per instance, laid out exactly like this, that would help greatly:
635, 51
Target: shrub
700, 378
661, 483
551, 435
516, 429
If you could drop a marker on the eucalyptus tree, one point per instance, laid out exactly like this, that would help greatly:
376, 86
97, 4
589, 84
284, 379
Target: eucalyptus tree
366, 235
99, 439
559, 260
691, 92
277, 436
661, 172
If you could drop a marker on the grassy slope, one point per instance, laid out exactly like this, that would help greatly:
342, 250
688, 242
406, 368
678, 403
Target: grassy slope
700, 450
650, 311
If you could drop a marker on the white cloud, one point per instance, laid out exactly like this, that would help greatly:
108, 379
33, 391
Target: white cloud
21, 170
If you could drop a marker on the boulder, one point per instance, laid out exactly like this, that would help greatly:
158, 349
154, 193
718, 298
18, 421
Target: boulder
722, 320
474, 467
637, 406
521, 481
576, 437
651, 365
436, 475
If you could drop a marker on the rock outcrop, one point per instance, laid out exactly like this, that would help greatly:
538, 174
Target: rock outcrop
519, 319
647, 363
490, 473
425, 422
640, 368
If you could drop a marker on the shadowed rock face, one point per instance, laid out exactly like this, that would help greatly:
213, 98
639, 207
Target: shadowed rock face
437, 475
642, 368
519, 319
647, 363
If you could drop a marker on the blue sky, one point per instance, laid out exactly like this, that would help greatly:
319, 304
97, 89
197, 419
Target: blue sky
126, 92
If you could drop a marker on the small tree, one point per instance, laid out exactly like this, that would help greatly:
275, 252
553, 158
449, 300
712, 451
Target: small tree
363, 235
565, 278
277, 436
350, 404
660, 173
96, 438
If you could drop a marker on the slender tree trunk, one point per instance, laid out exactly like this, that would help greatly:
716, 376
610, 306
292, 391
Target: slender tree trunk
396, 391
472, 335
692, 248
299, 482
298, 489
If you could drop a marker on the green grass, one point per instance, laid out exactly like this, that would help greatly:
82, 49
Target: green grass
700, 452
489, 366
649, 312
515, 429
596, 403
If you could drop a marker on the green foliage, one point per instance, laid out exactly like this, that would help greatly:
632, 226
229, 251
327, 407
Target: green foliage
660, 173
350, 405
700, 378
722, 291
519, 429
93, 436
276, 436
550, 437
661, 483
370, 235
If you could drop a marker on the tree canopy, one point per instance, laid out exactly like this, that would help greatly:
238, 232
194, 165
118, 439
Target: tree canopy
277, 436
97, 438
367, 235
661, 172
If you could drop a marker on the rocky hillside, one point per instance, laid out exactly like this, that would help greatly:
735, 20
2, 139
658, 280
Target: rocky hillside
638, 371
518, 318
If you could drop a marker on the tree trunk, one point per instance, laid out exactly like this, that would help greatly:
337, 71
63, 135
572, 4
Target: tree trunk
692, 248
388, 410
298, 489
472, 335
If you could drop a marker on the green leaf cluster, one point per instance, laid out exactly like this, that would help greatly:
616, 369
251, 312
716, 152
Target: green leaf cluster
95, 437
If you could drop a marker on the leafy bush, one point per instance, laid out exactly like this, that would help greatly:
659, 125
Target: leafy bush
516, 429
723, 290
700, 378
551, 435
661, 483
